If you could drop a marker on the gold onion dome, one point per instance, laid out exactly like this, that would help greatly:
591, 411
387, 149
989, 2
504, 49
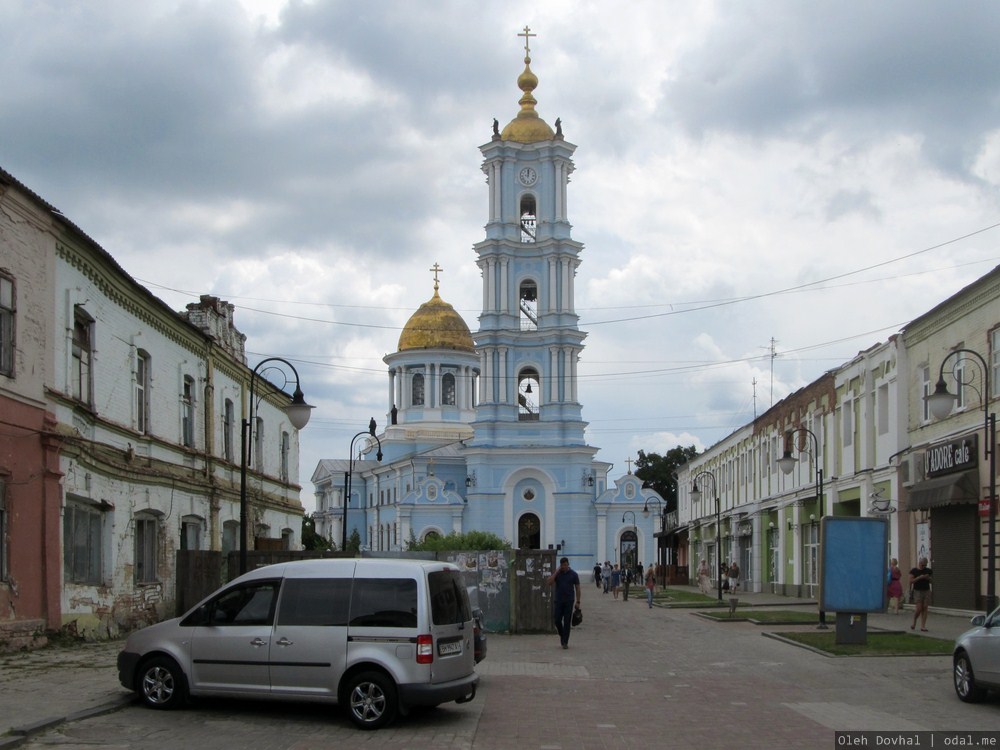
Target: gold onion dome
527, 127
436, 325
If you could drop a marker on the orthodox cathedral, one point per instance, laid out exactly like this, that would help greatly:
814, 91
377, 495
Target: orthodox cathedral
485, 430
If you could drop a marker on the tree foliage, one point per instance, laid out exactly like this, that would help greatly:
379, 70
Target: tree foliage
353, 542
312, 540
469, 541
657, 472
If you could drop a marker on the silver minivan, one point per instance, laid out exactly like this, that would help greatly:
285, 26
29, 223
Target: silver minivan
374, 635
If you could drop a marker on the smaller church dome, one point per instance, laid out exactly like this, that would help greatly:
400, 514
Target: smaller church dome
527, 127
436, 325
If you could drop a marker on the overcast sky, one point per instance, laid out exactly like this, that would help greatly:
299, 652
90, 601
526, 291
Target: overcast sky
812, 173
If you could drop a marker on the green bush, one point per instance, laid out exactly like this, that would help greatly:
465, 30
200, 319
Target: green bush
453, 542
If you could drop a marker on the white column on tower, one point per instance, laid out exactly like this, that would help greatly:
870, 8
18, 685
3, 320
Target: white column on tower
553, 286
553, 374
504, 295
503, 375
491, 284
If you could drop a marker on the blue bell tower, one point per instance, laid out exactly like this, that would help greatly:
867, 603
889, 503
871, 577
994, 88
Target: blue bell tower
531, 474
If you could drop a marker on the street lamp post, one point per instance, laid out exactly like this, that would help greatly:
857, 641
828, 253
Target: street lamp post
941, 402
350, 472
660, 558
696, 497
787, 462
297, 411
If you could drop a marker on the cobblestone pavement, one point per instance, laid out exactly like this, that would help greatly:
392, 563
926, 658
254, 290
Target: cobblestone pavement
633, 677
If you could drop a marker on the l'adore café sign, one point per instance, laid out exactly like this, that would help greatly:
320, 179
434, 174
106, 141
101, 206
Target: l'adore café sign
957, 455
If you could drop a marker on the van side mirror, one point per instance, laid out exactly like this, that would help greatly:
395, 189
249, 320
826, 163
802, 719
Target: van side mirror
978, 621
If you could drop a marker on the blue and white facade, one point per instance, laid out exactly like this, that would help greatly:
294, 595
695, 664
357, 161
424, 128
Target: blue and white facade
486, 430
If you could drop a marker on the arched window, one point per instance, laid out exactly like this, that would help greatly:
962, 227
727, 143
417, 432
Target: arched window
528, 304
529, 219
529, 532
418, 390
528, 387
448, 389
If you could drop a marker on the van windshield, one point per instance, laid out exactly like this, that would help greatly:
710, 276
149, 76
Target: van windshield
449, 599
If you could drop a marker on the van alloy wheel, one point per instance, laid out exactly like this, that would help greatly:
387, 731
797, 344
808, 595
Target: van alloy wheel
371, 700
965, 681
161, 683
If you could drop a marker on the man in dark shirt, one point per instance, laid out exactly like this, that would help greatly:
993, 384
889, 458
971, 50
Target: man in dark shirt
565, 598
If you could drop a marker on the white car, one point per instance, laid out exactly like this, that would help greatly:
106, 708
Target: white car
976, 658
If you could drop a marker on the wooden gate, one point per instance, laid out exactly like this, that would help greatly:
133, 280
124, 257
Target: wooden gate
533, 597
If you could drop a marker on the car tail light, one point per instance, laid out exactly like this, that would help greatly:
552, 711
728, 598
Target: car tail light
425, 649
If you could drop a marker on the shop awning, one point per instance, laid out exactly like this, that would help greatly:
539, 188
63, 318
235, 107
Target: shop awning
676, 531
951, 489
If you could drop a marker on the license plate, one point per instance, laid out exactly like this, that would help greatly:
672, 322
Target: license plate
454, 647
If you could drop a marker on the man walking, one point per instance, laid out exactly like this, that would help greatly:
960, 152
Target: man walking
565, 598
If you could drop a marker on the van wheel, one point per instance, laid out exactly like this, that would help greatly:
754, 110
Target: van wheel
161, 683
371, 700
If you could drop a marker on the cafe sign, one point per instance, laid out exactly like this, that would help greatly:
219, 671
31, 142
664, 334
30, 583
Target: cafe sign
956, 455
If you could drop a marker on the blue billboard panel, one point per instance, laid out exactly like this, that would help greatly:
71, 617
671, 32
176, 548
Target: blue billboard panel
853, 559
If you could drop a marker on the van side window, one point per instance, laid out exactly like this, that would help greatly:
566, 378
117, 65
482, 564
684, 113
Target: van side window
384, 603
449, 599
314, 601
247, 604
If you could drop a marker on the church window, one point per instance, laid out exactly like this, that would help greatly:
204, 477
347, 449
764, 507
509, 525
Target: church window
418, 390
528, 304
527, 395
448, 389
529, 219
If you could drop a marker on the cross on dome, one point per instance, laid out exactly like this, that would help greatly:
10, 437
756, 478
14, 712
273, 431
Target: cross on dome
527, 50
436, 269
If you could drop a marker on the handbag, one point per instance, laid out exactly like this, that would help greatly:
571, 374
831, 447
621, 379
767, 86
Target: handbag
577, 617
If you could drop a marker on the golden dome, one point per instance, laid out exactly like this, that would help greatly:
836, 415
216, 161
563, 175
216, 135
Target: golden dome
527, 127
436, 325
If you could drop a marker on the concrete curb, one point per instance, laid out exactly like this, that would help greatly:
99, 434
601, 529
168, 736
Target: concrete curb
17, 736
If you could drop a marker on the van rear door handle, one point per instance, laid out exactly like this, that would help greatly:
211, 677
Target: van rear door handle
258, 642
285, 642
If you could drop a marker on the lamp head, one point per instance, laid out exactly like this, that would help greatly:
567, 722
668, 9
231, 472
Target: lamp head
695, 493
298, 412
941, 402
787, 462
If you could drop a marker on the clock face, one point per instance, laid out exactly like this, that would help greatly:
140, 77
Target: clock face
527, 176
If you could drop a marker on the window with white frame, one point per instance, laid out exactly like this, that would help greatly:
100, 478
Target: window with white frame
995, 362
191, 531
847, 421
258, 444
7, 326
83, 543
83, 353
142, 371
228, 420
773, 554
883, 408
925, 391
959, 371
187, 412
810, 549
147, 534
286, 447
230, 537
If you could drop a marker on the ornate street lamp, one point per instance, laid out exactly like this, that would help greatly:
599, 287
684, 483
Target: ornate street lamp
941, 402
661, 557
787, 462
350, 472
298, 413
696, 497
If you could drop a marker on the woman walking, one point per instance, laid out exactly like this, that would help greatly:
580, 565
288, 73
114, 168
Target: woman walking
895, 590
650, 585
